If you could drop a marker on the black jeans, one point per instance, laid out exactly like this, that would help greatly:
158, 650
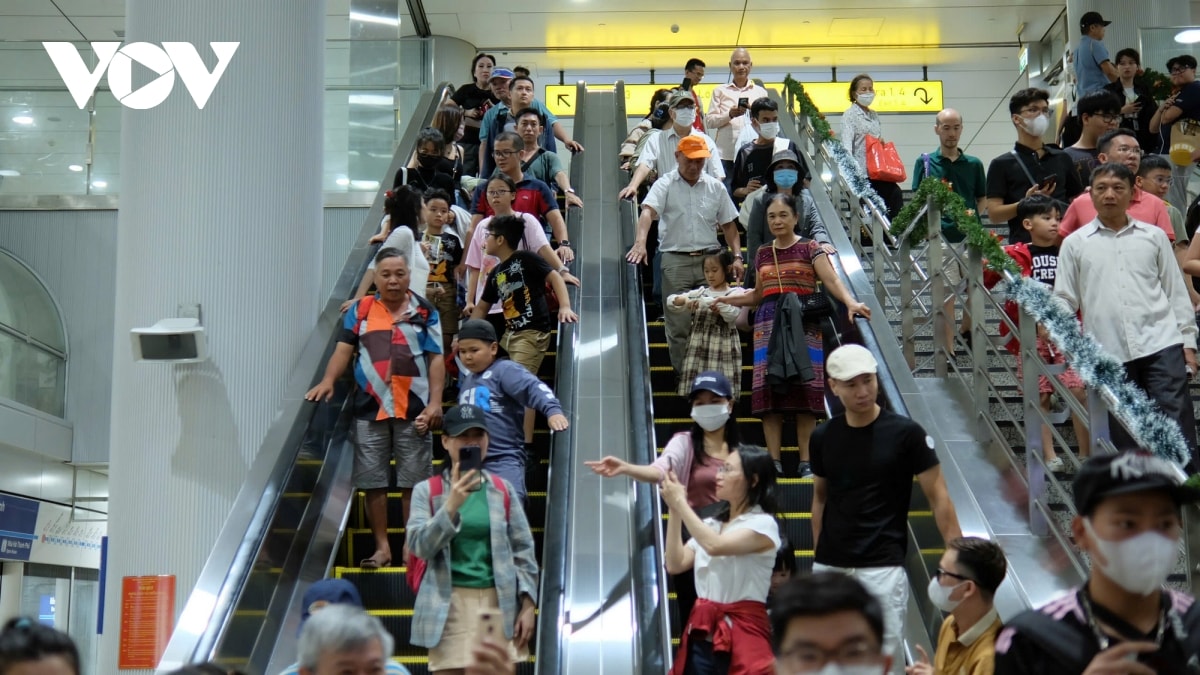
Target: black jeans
701, 660
1163, 376
892, 195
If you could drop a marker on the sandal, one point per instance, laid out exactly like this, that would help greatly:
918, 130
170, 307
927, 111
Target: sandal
374, 563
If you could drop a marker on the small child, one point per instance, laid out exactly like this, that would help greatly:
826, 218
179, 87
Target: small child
519, 284
785, 565
444, 250
1154, 176
714, 342
503, 389
1039, 260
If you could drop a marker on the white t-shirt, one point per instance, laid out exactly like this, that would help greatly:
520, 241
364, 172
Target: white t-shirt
418, 267
733, 578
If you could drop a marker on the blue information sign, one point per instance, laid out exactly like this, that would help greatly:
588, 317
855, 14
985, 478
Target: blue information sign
18, 524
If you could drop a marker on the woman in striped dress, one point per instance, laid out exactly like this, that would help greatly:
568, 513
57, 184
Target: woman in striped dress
790, 264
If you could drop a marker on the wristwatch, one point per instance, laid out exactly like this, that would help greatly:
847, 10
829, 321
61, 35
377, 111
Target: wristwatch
571, 190
564, 243
738, 257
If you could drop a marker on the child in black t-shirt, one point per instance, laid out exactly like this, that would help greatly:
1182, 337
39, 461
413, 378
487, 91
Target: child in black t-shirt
444, 251
521, 282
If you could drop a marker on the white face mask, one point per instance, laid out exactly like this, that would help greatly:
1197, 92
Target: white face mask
838, 669
1036, 126
1138, 564
768, 130
711, 417
866, 99
939, 595
684, 117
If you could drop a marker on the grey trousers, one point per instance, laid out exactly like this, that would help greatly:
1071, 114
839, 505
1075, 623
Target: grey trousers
680, 273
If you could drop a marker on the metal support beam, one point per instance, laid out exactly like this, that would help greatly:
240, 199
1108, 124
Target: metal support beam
420, 21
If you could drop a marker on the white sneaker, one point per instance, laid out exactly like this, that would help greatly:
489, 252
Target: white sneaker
1055, 465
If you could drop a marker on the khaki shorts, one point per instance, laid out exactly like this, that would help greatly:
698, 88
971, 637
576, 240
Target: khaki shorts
446, 303
526, 347
953, 270
376, 442
460, 634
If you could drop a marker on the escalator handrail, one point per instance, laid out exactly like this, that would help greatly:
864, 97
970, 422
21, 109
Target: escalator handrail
555, 541
648, 572
210, 605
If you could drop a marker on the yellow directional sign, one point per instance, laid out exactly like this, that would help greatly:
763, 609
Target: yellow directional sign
831, 98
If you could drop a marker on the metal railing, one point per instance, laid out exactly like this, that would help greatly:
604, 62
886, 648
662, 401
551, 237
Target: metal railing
911, 281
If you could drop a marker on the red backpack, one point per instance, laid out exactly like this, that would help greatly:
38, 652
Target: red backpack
415, 567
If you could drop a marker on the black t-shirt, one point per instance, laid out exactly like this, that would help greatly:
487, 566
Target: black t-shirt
444, 252
1045, 263
1007, 181
470, 97
1057, 639
752, 161
1085, 161
868, 471
520, 282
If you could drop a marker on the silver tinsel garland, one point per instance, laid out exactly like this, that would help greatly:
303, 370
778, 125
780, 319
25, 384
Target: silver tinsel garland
1153, 430
854, 174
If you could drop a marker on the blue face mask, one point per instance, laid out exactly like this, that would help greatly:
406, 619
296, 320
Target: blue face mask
786, 178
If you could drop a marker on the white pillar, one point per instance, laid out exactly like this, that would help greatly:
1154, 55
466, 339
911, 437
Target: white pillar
219, 207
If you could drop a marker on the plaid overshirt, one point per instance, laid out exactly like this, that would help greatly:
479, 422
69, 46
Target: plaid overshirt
430, 532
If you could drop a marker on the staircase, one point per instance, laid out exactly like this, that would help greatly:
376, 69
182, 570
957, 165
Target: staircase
385, 592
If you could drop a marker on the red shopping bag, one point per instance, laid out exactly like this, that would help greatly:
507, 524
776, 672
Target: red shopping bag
883, 162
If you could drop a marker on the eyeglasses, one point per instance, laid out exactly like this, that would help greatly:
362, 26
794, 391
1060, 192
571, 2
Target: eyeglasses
1180, 71
1161, 180
726, 469
1036, 111
809, 658
1111, 117
943, 573
498, 193
489, 233
500, 154
1129, 150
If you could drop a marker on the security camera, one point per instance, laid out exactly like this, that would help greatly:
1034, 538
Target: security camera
178, 340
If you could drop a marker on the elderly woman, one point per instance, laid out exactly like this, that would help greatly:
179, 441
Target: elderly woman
784, 176
858, 122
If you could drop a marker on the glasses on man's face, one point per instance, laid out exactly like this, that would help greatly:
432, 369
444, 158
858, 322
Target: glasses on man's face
497, 193
1111, 118
503, 154
807, 658
1128, 150
1035, 111
1179, 71
943, 573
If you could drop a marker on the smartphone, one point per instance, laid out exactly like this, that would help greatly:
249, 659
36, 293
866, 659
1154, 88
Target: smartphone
1048, 182
744, 103
490, 627
686, 85
469, 457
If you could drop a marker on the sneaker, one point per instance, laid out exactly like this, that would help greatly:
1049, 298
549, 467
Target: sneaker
1056, 465
779, 468
804, 470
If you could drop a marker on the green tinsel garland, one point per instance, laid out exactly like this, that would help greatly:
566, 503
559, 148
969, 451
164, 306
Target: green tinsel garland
807, 108
953, 207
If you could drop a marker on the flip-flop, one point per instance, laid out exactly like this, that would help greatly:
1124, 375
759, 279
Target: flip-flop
373, 564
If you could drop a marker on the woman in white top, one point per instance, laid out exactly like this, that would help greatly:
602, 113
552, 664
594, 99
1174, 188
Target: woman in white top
858, 122
733, 558
400, 229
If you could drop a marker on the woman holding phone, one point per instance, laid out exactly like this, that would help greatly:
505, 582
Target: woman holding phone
479, 552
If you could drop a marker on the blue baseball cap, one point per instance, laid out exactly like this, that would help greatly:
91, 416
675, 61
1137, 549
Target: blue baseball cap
329, 592
502, 73
714, 381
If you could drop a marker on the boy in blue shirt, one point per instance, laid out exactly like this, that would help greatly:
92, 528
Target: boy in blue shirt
503, 389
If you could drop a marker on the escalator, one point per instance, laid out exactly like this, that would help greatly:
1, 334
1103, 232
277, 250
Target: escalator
297, 519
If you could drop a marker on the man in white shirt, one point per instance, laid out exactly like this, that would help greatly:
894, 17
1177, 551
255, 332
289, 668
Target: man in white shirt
658, 155
689, 206
729, 105
1122, 274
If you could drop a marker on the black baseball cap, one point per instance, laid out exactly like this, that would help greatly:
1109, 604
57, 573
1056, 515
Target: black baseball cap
477, 329
1125, 472
714, 381
460, 418
1091, 19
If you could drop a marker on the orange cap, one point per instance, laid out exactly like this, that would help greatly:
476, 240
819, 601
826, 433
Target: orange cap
693, 147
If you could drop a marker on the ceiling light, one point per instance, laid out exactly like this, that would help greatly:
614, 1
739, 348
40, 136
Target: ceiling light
374, 18
23, 119
9, 173
343, 181
100, 184
75, 167
1188, 37
365, 184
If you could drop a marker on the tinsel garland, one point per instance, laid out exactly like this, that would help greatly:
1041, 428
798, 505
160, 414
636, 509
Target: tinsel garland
848, 167
1153, 430
953, 207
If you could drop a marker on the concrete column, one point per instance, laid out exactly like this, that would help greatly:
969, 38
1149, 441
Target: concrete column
219, 207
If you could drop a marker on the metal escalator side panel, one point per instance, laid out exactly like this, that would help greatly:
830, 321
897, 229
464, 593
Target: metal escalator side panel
205, 622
